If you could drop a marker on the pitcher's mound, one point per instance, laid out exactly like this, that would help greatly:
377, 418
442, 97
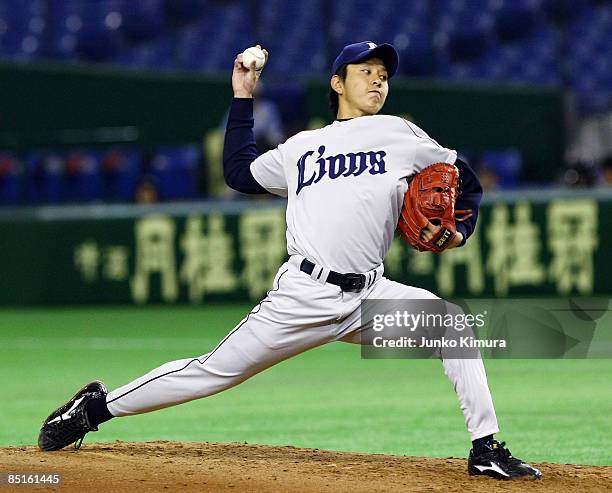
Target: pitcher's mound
175, 466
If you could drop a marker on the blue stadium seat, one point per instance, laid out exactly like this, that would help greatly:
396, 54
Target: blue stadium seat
121, 169
290, 101
562, 11
184, 11
97, 45
505, 163
143, 20
294, 34
514, 23
213, 42
176, 170
44, 171
157, 54
535, 60
416, 53
83, 176
517, 43
451, 15
408, 29
588, 66
461, 37
466, 44
10, 177
96, 26
63, 21
349, 24
22, 24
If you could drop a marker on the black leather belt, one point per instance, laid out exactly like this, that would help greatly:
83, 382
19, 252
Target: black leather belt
346, 282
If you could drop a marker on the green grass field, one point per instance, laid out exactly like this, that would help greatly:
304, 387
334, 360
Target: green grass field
329, 398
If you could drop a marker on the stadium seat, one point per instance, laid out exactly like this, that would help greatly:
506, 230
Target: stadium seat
22, 24
184, 11
97, 45
505, 163
176, 170
63, 20
228, 26
416, 53
44, 171
10, 175
143, 20
97, 27
461, 37
588, 66
512, 53
121, 170
348, 19
83, 176
466, 44
293, 34
157, 54
562, 11
515, 22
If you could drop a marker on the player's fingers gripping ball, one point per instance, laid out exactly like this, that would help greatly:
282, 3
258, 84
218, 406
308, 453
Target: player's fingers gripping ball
431, 198
254, 54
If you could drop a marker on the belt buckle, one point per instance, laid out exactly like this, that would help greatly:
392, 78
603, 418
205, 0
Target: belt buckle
353, 282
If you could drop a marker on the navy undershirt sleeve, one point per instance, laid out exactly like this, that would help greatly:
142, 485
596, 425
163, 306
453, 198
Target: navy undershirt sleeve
239, 149
470, 194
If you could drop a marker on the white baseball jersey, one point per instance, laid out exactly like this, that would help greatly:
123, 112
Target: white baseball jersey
330, 173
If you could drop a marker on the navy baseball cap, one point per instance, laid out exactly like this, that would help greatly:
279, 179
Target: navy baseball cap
358, 52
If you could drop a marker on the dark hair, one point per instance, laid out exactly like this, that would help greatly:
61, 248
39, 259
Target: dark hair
333, 95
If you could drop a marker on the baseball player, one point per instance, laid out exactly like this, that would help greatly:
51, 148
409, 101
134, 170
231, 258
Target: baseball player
345, 184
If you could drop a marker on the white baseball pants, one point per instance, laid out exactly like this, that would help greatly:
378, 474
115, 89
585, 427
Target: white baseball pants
300, 312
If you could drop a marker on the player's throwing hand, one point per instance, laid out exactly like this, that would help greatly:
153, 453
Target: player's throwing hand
245, 79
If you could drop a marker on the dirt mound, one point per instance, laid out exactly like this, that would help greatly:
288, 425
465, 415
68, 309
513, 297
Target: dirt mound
171, 466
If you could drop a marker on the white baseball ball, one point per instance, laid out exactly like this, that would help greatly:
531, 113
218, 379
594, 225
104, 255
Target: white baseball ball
253, 54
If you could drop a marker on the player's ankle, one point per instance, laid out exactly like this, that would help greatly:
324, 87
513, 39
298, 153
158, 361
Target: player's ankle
478, 444
97, 411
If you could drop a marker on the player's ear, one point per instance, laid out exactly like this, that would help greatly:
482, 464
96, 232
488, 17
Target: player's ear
337, 84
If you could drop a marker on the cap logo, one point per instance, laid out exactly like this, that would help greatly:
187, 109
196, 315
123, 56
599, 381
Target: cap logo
357, 52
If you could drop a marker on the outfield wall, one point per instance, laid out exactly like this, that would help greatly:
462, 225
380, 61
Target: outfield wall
538, 243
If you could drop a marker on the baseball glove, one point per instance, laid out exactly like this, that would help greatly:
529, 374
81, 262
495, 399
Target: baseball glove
431, 198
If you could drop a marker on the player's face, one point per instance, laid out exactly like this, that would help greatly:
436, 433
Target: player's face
365, 89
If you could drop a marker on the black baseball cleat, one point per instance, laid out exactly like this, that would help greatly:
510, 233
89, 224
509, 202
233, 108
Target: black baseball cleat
69, 423
497, 462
